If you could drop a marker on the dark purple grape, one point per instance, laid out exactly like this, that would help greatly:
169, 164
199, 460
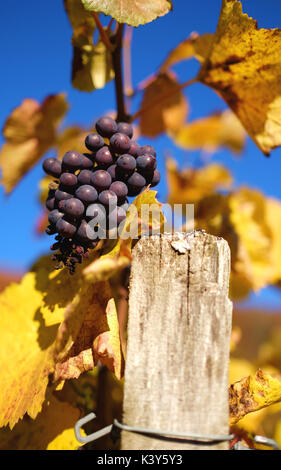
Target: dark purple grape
60, 195
84, 177
126, 164
108, 198
134, 149
71, 161
155, 179
73, 207
125, 128
54, 216
120, 143
87, 161
82, 230
104, 157
135, 184
117, 215
146, 164
147, 149
65, 227
51, 230
101, 180
50, 203
95, 210
112, 171
120, 189
68, 180
52, 167
87, 194
106, 126
94, 142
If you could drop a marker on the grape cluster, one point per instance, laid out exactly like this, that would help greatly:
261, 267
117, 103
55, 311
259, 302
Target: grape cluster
94, 183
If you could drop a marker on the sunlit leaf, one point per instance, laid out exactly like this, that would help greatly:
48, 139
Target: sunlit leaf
244, 67
210, 133
29, 131
170, 109
53, 429
131, 12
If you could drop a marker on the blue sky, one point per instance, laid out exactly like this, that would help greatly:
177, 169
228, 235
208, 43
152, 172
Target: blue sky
36, 61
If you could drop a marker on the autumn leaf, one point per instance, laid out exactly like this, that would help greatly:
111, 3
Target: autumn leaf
51, 310
253, 393
29, 132
72, 137
212, 132
194, 46
170, 109
53, 429
190, 185
243, 66
131, 12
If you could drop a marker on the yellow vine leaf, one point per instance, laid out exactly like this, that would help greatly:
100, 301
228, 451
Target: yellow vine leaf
132, 12
190, 185
72, 137
167, 116
53, 429
194, 46
243, 66
253, 393
217, 130
29, 131
45, 319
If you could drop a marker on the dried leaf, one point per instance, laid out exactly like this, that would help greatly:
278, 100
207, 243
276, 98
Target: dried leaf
50, 309
190, 185
170, 113
194, 46
243, 66
53, 429
29, 132
131, 12
210, 133
253, 393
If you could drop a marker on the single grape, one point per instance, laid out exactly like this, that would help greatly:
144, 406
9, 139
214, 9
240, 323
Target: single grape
101, 180
125, 128
54, 216
106, 126
73, 207
94, 142
147, 149
120, 189
65, 227
108, 198
134, 149
155, 179
51, 230
87, 194
52, 167
120, 143
82, 230
84, 177
112, 171
71, 161
116, 216
50, 203
104, 157
60, 195
87, 161
126, 164
68, 180
146, 164
95, 210
135, 184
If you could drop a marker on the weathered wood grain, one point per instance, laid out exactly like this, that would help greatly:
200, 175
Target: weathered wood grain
176, 375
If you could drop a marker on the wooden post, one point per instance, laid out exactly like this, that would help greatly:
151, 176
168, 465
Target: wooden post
176, 375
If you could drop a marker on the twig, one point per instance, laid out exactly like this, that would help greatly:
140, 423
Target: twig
116, 62
103, 35
127, 60
159, 99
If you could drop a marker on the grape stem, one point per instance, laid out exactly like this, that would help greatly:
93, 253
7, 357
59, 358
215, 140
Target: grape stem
117, 67
104, 37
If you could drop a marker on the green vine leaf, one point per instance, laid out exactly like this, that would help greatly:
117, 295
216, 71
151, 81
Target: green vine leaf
132, 12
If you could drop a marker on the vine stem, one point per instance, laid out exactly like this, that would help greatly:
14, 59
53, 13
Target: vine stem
103, 35
117, 67
160, 99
